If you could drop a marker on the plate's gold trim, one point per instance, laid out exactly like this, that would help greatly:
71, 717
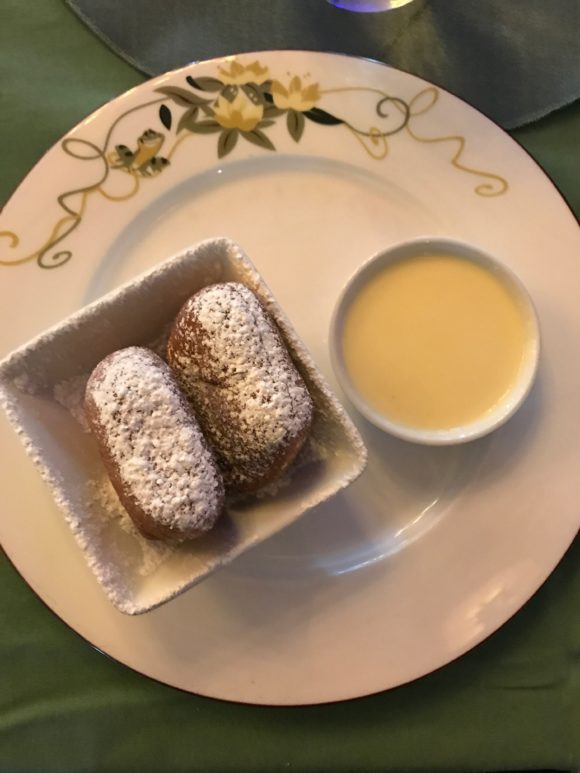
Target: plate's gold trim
241, 103
494, 184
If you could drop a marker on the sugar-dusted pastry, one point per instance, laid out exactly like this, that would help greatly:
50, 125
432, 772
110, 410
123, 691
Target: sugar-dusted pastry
153, 449
247, 394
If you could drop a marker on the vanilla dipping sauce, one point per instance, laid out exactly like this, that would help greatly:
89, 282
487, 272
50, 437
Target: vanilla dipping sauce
434, 341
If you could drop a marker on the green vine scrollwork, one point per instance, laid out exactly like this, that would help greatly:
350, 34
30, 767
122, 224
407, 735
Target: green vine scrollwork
240, 103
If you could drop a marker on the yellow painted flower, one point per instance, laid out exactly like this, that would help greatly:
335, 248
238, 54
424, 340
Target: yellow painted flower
296, 96
238, 74
241, 113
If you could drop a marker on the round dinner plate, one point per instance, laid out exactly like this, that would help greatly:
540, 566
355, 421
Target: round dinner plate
312, 162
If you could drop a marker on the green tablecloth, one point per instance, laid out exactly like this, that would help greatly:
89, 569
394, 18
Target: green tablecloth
513, 703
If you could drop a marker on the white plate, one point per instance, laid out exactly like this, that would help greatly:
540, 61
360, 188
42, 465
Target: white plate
433, 548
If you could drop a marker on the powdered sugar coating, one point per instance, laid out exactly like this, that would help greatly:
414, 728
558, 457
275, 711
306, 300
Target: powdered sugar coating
250, 400
152, 439
135, 553
118, 557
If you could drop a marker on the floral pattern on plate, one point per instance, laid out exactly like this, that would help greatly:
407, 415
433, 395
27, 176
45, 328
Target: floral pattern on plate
241, 102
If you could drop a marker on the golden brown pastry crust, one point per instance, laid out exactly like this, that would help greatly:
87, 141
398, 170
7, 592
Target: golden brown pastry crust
247, 394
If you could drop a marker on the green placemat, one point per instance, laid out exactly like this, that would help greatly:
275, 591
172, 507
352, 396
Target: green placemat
489, 53
511, 704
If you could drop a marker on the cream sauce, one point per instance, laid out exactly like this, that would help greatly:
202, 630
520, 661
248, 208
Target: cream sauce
434, 341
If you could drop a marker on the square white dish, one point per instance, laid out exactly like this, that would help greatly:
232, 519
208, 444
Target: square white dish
41, 390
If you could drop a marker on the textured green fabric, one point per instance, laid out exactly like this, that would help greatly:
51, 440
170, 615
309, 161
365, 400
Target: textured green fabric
478, 50
513, 703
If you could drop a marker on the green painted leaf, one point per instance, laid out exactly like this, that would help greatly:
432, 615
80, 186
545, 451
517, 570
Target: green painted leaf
317, 115
266, 94
273, 112
296, 123
159, 163
182, 96
204, 127
227, 142
253, 93
165, 116
230, 92
265, 124
187, 119
257, 137
205, 84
